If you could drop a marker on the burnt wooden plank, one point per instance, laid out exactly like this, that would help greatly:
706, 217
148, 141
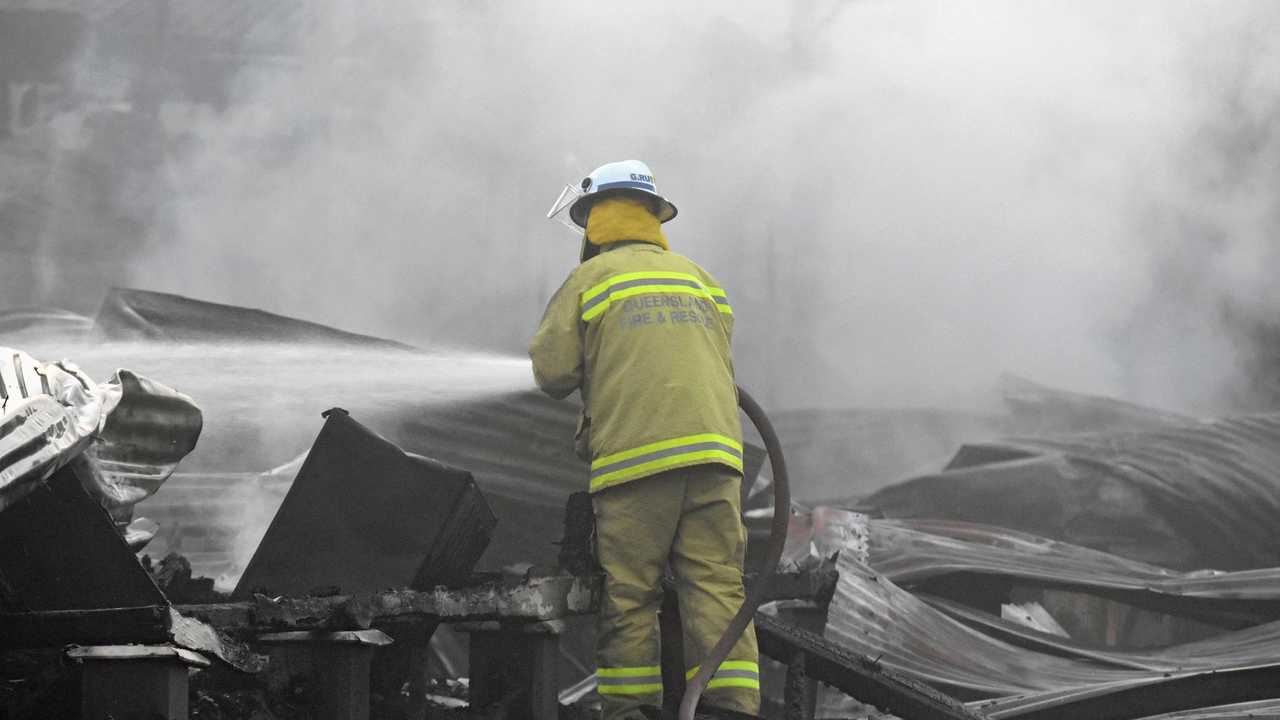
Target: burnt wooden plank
545, 598
152, 624
105, 626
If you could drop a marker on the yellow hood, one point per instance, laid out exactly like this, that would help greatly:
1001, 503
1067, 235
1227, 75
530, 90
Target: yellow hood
621, 218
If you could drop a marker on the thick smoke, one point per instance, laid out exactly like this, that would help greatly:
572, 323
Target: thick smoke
905, 199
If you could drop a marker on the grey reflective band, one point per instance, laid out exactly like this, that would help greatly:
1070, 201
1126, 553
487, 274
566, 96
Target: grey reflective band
636, 680
748, 674
660, 454
604, 296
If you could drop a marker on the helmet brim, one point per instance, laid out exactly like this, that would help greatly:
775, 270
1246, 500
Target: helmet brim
581, 207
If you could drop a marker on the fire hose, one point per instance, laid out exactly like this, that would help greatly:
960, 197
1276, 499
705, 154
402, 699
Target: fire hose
773, 553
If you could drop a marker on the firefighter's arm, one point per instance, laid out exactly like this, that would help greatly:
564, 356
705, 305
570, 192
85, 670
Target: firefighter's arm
556, 349
726, 318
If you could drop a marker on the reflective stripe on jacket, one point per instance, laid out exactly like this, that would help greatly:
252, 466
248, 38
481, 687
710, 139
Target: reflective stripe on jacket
644, 333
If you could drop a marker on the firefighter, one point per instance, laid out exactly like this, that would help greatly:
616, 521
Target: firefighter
644, 335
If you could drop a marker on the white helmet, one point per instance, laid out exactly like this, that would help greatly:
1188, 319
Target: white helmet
625, 177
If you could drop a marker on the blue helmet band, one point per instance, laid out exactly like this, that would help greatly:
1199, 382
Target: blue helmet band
633, 184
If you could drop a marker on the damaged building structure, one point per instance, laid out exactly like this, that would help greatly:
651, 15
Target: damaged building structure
418, 540
308, 531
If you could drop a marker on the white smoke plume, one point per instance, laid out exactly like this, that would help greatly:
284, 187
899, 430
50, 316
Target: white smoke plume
905, 199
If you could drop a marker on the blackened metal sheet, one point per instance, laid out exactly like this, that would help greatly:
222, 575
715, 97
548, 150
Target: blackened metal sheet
1190, 495
60, 551
519, 447
1131, 700
1039, 410
914, 552
1258, 710
363, 515
128, 314
857, 675
872, 615
1254, 645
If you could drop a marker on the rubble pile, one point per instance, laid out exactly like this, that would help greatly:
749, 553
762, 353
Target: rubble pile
1059, 571
173, 574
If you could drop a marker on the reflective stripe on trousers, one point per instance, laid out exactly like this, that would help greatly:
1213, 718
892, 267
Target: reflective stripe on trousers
690, 519
624, 285
641, 680
664, 455
732, 673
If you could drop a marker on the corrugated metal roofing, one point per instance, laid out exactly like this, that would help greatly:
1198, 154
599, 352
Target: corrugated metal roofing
913, 551
1196, 494
875, 616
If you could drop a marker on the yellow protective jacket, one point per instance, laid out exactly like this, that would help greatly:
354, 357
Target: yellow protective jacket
644, 333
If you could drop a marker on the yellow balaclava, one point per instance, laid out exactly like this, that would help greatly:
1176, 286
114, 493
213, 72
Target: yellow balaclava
621, 218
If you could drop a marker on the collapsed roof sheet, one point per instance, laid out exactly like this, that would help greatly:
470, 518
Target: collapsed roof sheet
1036, 409
1235, 711
872, 615
1141, 698
914, 551
128, 314
1196, 494
877, 611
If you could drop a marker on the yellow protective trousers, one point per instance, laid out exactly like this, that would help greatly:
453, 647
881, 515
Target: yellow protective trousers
690, 517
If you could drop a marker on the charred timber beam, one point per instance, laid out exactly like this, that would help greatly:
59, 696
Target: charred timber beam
1143, 698
537, 599
798, 696
109, 626
812, 584
858, 676
152, 624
